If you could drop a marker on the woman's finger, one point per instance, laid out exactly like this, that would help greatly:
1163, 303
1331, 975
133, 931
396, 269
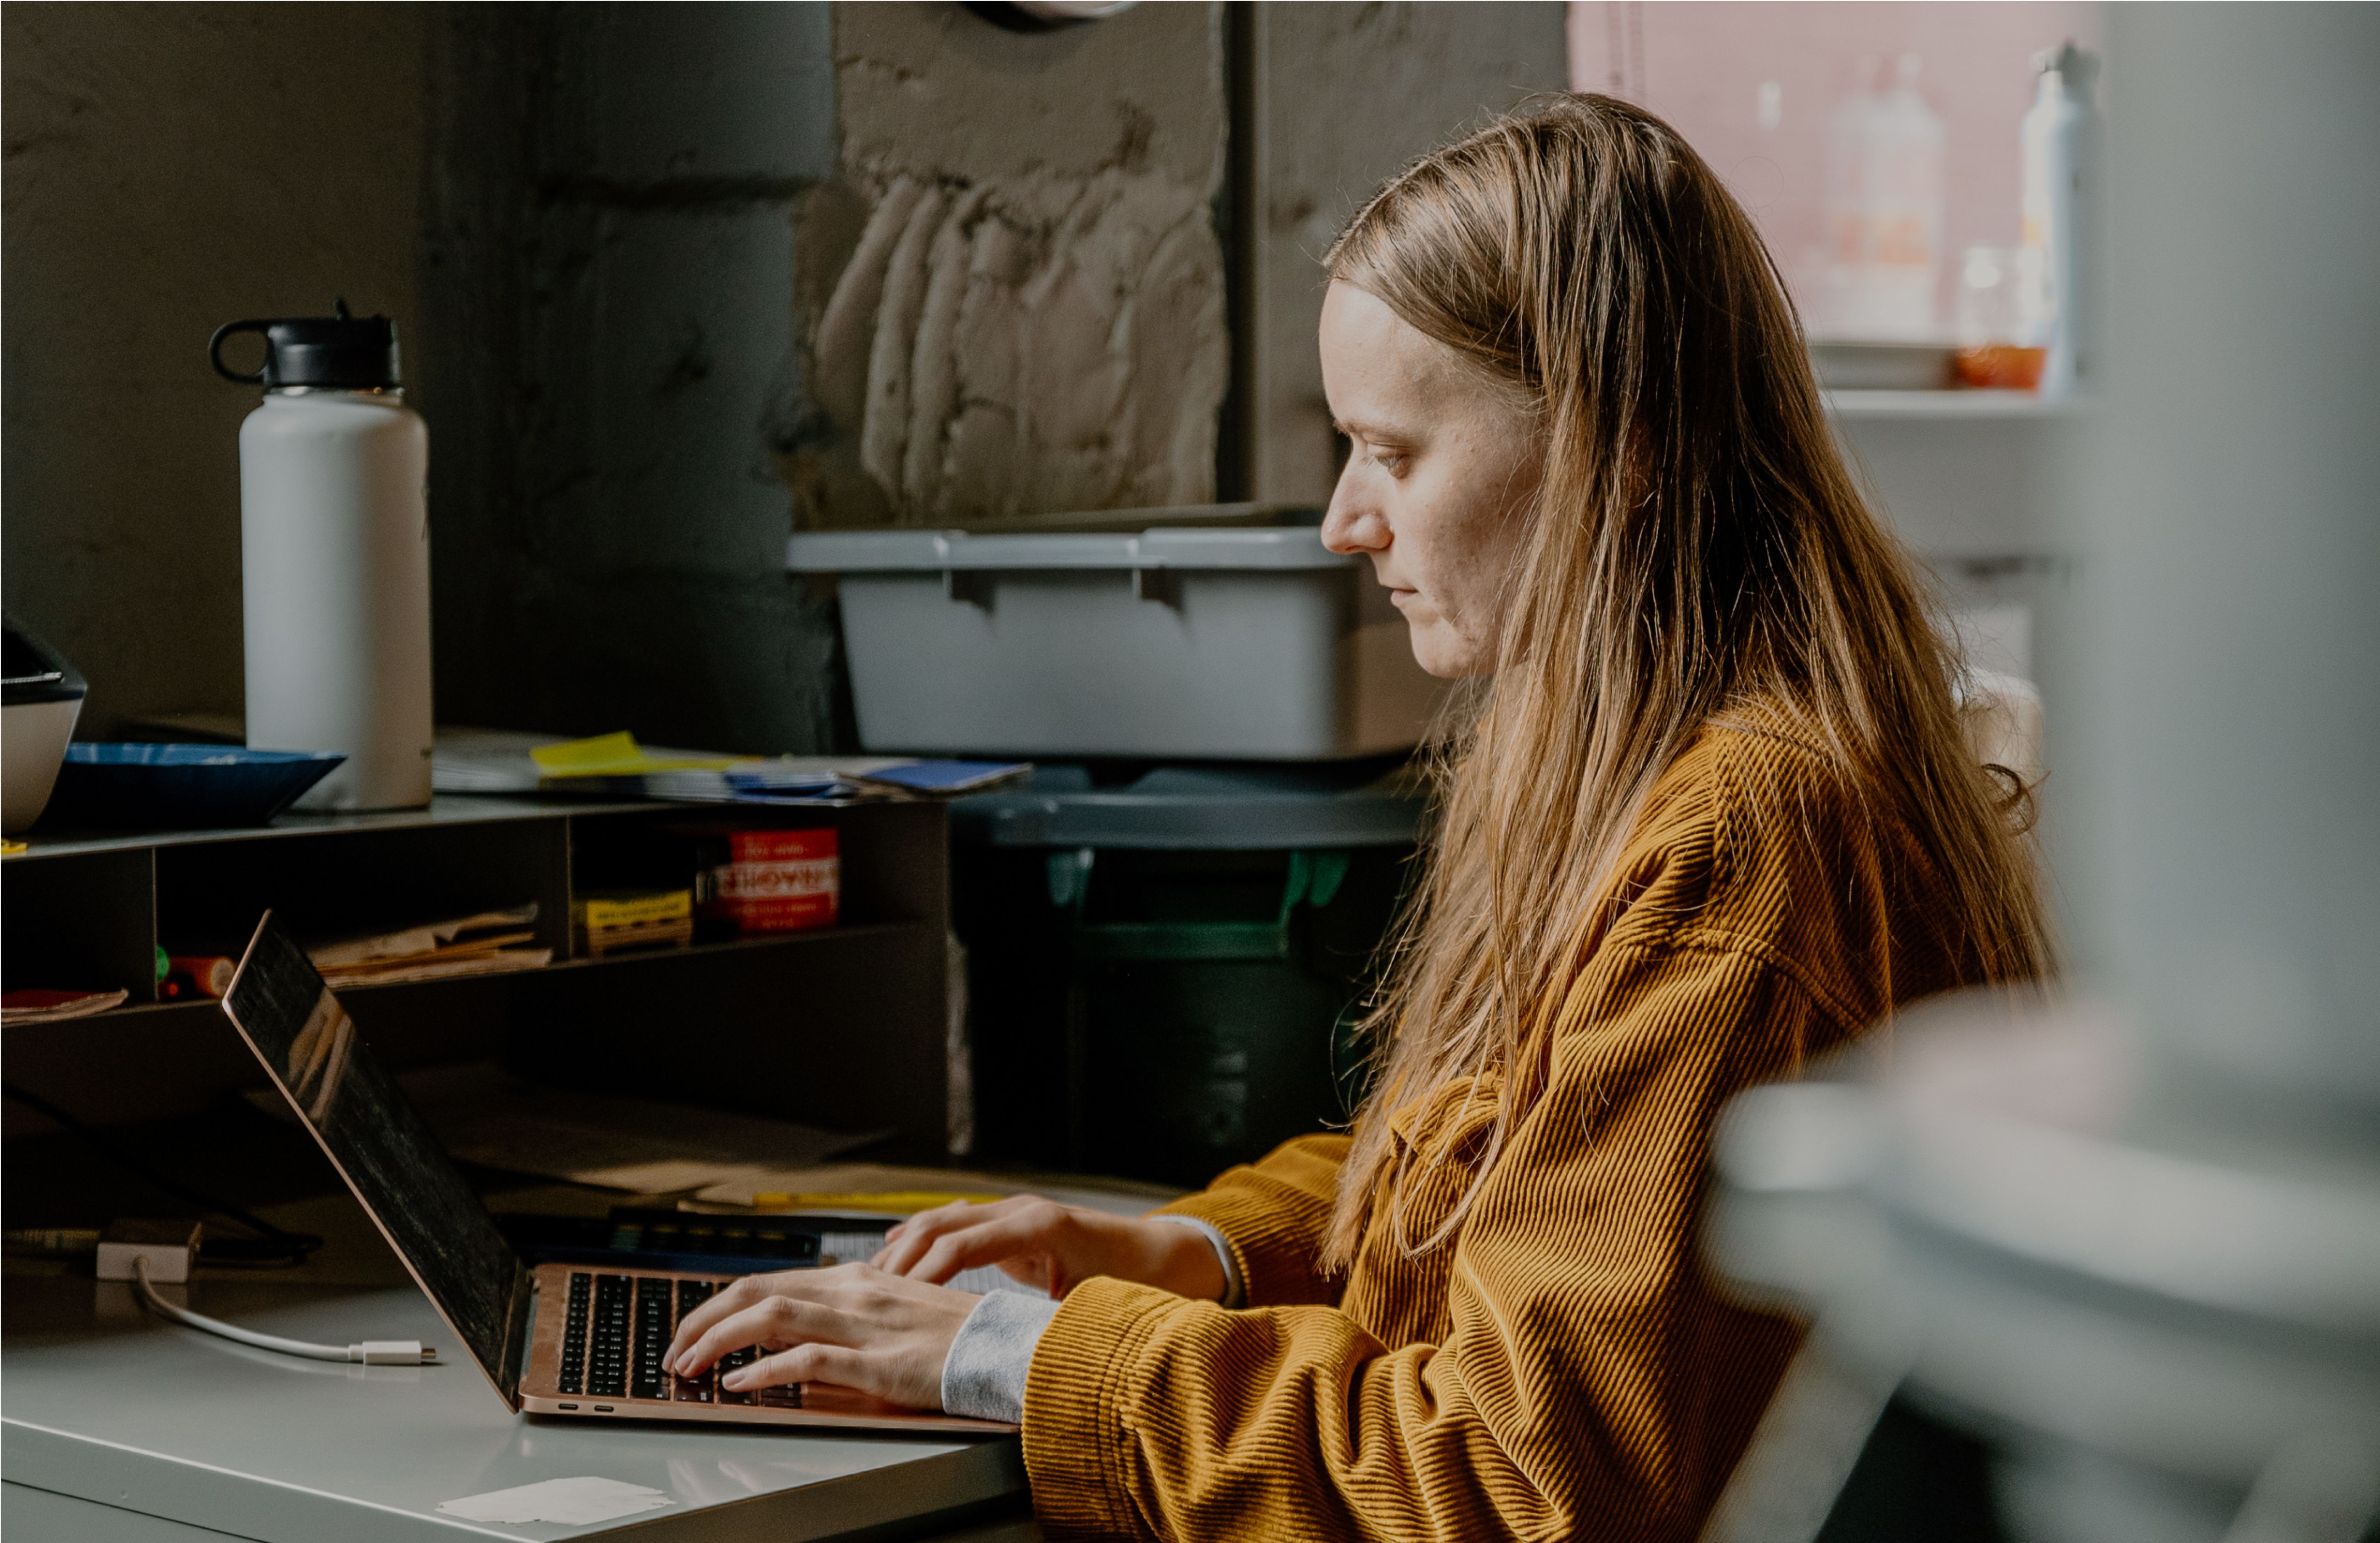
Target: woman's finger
903, 1249
754, 1324
991, 1243
904, 1242
901, 1229
777, 1322
1004, 1234
733, 1298
837, 1364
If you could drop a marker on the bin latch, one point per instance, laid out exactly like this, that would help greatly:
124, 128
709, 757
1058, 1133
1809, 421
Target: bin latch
1161, 585
973, 586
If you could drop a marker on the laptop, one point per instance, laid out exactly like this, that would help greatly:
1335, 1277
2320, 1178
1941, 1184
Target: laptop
572, 1339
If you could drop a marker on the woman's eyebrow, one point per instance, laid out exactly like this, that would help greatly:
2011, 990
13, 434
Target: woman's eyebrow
1355, 428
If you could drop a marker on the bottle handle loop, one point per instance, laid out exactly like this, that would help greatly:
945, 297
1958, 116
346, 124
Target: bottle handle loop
215, 351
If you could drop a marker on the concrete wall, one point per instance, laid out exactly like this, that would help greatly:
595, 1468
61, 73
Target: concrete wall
611, 235
614, 220
169, 168
1335, 99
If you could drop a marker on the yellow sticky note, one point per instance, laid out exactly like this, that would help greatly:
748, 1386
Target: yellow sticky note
617, 755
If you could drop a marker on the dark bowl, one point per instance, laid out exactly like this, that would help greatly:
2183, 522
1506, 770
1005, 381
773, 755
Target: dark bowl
179, 787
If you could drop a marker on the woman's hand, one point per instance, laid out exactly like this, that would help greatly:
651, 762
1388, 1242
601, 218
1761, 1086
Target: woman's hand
1044, 1244
853, 1326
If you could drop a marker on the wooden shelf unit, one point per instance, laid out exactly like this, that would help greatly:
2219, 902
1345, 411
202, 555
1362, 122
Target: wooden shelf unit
840, 1027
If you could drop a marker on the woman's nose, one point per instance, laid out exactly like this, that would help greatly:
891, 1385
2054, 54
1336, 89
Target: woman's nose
1354, 522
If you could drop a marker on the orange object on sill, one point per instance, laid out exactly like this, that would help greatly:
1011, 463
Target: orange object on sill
2002, 366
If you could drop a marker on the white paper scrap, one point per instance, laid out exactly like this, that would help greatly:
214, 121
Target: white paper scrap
572, 1501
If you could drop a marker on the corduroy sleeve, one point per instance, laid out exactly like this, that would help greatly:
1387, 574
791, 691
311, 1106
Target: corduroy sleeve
1588, 1382
1274, 1213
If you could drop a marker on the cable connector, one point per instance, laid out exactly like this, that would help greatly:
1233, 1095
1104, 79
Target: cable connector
165, 1249
392, 1353
371, 1353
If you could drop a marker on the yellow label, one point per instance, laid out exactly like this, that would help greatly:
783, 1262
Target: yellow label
632, 910
907, 1202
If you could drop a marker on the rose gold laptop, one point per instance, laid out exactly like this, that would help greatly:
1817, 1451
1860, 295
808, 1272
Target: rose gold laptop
558, 1339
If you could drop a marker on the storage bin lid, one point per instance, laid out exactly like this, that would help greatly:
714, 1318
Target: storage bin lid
1231, 809
1275, 548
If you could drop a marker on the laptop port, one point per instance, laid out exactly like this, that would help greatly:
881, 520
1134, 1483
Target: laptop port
602, 1409
566, 1406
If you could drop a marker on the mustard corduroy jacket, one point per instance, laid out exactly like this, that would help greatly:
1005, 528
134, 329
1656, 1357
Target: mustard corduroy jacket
1563, 1368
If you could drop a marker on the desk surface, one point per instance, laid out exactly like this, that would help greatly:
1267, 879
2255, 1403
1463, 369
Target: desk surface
108, 1403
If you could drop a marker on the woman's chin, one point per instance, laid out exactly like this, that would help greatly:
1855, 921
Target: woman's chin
1440, 652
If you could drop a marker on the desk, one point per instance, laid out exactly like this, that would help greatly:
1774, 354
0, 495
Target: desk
115, 1419
118, 1427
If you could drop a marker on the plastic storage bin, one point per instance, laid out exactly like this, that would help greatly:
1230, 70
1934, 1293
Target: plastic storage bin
1160, 974
1242, 643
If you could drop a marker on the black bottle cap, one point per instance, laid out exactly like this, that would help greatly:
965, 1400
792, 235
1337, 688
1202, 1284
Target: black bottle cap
353, 353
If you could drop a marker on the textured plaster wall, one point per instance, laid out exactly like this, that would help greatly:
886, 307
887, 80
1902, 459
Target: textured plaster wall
164, 169
1032, 317
642, 216
1339, 96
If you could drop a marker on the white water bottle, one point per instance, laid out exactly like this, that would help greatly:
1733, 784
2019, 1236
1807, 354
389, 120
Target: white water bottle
334, 557
2058, 139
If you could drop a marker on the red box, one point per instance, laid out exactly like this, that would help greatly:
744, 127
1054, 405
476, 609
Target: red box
773, 881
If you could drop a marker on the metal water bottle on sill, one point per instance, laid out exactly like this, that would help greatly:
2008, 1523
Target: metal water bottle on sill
334, 557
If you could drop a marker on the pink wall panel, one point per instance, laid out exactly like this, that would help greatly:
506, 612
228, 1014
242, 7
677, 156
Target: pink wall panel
1701, 66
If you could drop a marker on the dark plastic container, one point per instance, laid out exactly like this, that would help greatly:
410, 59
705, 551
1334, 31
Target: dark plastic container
178, 787
1161, 970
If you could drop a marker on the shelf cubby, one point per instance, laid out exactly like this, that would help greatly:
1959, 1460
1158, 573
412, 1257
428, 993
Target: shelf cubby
842, 1026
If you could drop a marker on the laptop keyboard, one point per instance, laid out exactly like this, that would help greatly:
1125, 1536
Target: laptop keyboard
607, 1348
574, 1335
616, 1329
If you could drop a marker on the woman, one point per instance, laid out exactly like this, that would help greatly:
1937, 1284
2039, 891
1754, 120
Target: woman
1714, 816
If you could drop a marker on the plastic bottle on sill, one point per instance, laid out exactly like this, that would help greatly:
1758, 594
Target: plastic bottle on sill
1884, 210
2059, 142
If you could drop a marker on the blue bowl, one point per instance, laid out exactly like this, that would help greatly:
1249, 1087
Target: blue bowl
179, 787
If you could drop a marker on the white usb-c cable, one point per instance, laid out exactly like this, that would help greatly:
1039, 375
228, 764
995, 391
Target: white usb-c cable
371, 1353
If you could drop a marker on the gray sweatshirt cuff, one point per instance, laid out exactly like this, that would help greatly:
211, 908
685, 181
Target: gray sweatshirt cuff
983, 1376
1235, 1292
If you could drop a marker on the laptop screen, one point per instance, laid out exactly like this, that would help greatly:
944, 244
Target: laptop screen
382, 1147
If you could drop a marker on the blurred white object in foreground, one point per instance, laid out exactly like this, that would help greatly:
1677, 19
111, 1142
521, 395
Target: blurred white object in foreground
2165, 1317
2136, 1245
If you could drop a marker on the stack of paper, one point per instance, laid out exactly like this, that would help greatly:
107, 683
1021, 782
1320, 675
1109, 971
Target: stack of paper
487, 943
615, 766
37, 1007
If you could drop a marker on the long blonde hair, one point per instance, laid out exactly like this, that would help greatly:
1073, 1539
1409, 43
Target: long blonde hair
1696, 543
